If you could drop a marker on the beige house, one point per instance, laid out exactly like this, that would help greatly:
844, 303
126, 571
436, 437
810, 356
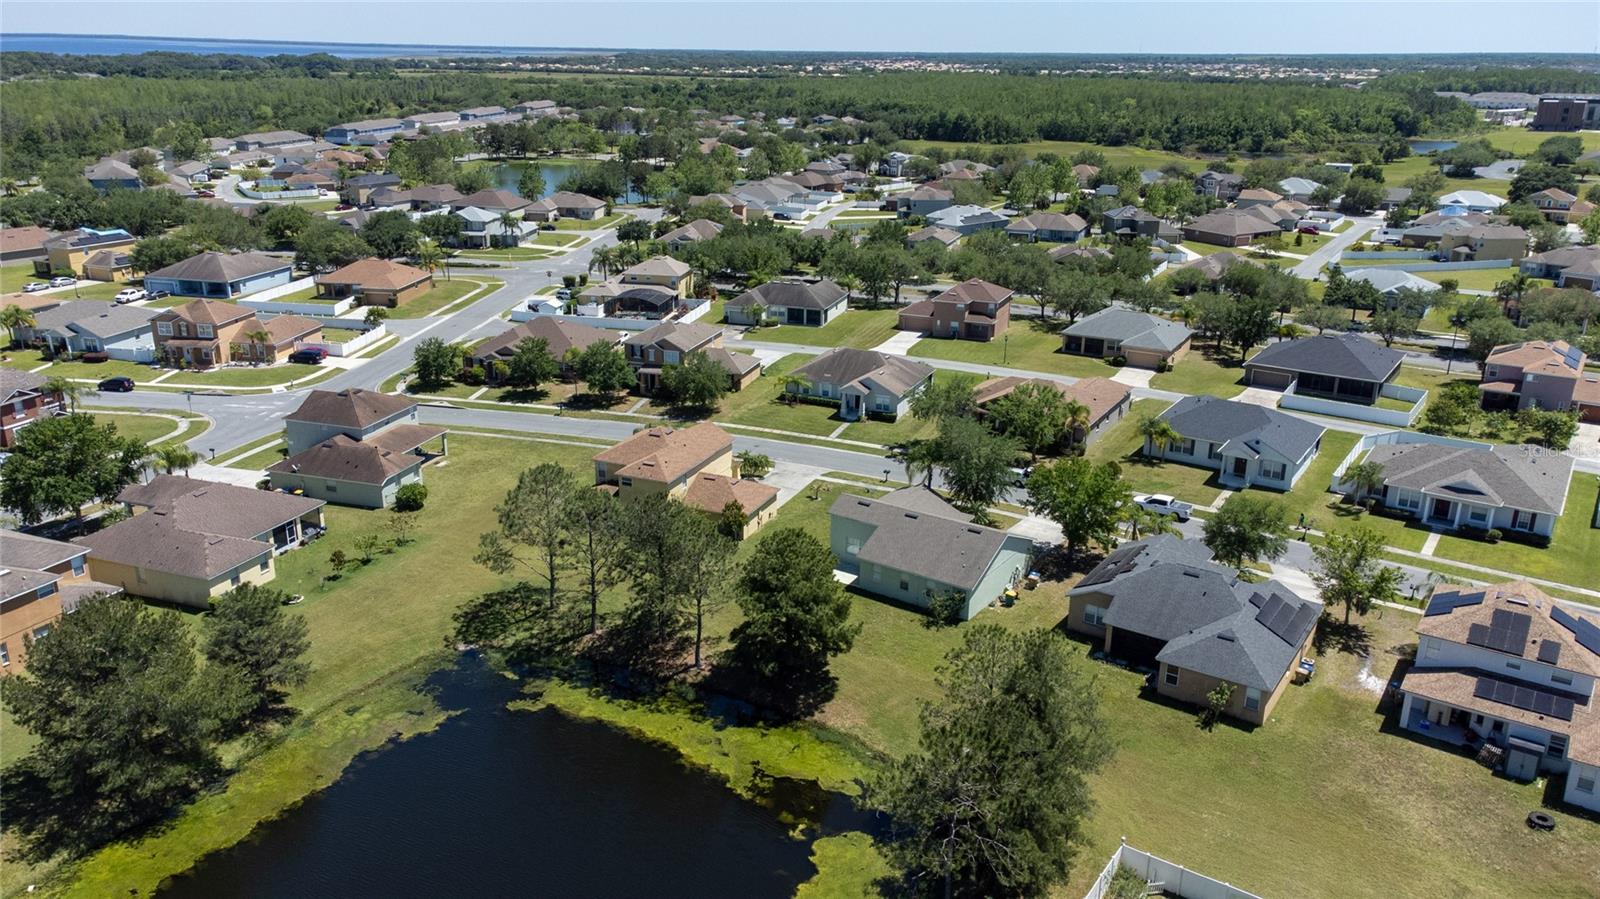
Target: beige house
1485, 242
203, 333
693, 465
669, 343
41, 580
663, 272
376, 282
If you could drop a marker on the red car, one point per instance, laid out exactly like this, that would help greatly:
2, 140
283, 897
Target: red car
1310, 230
205, 194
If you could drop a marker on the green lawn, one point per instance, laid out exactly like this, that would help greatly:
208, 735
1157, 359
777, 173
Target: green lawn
446, 292
306, 295
1435, 379
245, 376
1122, 444
863, 328
15, 274
1028, 344
1479, 278
509, 254
1203, 371
1399, 172
151, 428
759, 404
22, 359
92, 290
99, 371
1573, 556
1121, 155
605, 221
340, 335
557, 239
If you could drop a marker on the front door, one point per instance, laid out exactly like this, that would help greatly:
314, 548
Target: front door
852, 405
1240, 465
1441, 510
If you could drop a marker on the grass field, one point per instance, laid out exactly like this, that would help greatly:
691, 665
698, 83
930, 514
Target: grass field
1573, 556
1204, 371
604, 221
862, 328
1028, 344
446, 292
152, 428
14, 275
244, 376
509, 254
1480, 278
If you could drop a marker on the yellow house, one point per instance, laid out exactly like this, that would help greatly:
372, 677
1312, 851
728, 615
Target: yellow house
693, 465
40, 580
67, 253
661, 271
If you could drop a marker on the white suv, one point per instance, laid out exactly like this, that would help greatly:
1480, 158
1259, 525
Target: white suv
130, 295
1162, 504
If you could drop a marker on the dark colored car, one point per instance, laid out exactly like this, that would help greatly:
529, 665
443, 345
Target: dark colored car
117, 385
1307, 229
205, 194
311, 355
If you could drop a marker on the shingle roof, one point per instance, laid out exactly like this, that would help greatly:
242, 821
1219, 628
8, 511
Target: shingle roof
934, 545
157, 542
341, 458
847, 365
1242, 428
214, 312
285, 329
28, 551
209, 507
221, 267
373, 273
1334, 355
110, 170
496, 200
1453, 609
559, 337
1518, 477
666, 454
1386, 279
1216, 264
675, 335
1139, 330
712, 493
349, 408
699, 229
14, 381
1231, 223
821, 295
97, 318
566, 199
659, 267
976, 290
1048, 221
1100, 395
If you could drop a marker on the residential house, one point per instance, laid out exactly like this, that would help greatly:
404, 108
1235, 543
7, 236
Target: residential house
1049, 226
923, 201
434, 120
650, 352
1215, 265
354, 447
496, 201
911, 546
788, 302
1129, 222
110, 174
966, 219
1343, 367
560, 337
376, 282
108, 265
40, 580
1584, 275
944, 236
1521, 489
1509, 666
1256, 196
971, 310
270, 140
662, 272
1471, 201
1561, 207
431, 197
94, 326
221, 275
694, 465
195, 540
1480, 242
1222, 185
1163, 603
1393, 197
691, 232
24, 399
862, 382
735, 205
1246, 444
1085, 174
565, 204
366, 131
895, 164
1144, 340
23, 243
486, 228
1541, 374
203, 333
479, 113
1106, 400
1298, 188
1390, 281
1066, 253
65, 254
357, 190
1230, 228
1553, 264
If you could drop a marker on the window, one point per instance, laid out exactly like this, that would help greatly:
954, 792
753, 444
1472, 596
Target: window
1170, 676
1585, 781
852, 545
332, 488
626, 482
1273, 471
1561, 677
1477, 515
205, 331
45, 590
164, 329
235, 579
42, 631
877, 572
881, 403
1185, 446
905, 585
1430, 648
1252, 699
5, 655
77, 565
1513, 666
266, 560
1094, 616
1558, 746
1215, 453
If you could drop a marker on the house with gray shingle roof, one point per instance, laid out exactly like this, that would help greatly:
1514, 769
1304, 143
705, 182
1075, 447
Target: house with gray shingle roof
1162, 603
1143, 339
863, 382
1248, 445
96, 326
1343, 367
789, 303
1389, 281
1451, 485
221, 275
909, 547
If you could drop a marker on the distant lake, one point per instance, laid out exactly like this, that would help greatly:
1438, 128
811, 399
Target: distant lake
1423, 147
557, 172
112, 45
512, 803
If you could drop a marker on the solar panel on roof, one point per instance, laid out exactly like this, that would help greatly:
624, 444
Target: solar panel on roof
1573, 357
1549, 652
1586, 633
1525, 698
1445, 603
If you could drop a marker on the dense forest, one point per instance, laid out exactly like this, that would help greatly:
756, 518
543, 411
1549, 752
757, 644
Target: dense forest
1526, 80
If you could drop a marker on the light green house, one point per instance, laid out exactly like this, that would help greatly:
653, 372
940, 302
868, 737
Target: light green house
911, 545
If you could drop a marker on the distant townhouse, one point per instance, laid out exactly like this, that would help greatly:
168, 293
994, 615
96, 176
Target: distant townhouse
1106, 400
693, 465
429, 120
42, 580
1541, 374
221, 275
1344, 367
1246, 444
1224, 186
652, 351
190, 541
788, 302
536, 109
1144, 340
863, 382
1511, 668
691, 232
355, 447
203, 333
376, 282
66, 253
972, 310
358, 190
1049, 226
481, 113
1513, 489
25, 399
271, 140
1162, 603
364, 131
1566, 113
911, 546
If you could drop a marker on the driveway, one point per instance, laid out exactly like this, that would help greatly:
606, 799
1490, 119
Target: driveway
900, 343
1586, 446
1260, 396
1313, 264
1134, 377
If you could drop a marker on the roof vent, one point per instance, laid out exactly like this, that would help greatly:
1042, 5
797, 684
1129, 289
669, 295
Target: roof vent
974, 531
1516, 600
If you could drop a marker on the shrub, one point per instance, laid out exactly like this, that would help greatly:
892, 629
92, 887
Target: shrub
1493, 535
944, 609
472, 376
501, 371
410, 497
569, 281
1119, 361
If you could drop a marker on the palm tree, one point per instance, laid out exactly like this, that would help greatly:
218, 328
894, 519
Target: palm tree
851, 284
69, 391
512, 226
790, 387
1158, 433
1143, 523
1364, 478
260, 342
1077, 420
1290, 331
430, 257
1512, 288
15, 318
920, 458
174, 456
604, 259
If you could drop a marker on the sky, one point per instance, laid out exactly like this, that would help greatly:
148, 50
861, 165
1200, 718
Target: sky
1127, 26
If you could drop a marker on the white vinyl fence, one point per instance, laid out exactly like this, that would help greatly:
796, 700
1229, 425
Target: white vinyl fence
1172, 878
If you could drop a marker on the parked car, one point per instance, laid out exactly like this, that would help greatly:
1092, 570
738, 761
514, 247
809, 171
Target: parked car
1312, 230
130, 294
35, 287
157, 295
311, 355
1162, 504
63, 281
343, 207
205, 194
564, 293
119, 384
1019, 476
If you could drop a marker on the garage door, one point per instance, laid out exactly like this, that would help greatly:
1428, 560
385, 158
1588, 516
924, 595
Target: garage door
1590, 414
1263, 377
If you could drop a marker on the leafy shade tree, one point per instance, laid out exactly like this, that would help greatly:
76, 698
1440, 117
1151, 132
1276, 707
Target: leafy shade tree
324, 245
1555, 428
1246, 529
531, 364
530, 183
1320, 317
390, 233
796, 617
603, 369
126, 724
249, 632
59, 464
435, 362
532, 523
678, 565
1351, 572
1034, 415
157, 252
976, 462
698, 382
1085, 498
1393, 324
944, 398
994, 800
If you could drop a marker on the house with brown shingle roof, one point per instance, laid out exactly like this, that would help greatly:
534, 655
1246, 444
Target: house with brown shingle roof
192, 540
23, 242
863, 382
24, 400
694, 465
1106, 400
560, 337
650, 352
41, 580
1540, 374
972, 310
221, 275
376, 282
355, 447
203, 333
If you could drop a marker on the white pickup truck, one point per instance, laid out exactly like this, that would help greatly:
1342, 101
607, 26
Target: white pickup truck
1162, 504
